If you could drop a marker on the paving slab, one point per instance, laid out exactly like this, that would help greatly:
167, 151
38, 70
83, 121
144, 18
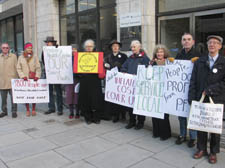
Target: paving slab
25, 149
2, 165
84, 149
80, 164
10, 128
44, 160
14, 138
121, 157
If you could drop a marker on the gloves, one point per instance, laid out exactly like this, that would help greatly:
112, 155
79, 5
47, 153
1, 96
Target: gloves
107, 66
171, 59
36, 79
194, 59
25, 78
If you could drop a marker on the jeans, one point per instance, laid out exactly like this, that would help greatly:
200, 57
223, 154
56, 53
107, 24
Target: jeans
4, 94
183, 128
59, 99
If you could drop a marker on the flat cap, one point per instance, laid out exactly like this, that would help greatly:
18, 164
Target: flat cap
219, 38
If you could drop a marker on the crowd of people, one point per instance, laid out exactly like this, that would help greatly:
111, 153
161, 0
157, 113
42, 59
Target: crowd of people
208, 78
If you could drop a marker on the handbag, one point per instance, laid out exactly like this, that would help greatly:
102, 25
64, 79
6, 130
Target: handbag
206, 117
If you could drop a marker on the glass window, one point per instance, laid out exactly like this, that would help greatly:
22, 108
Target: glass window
10, 34
86, 4
128, 34
107, 27
87, 26
19, 23
171, 38
67, 7
3, 31
171, 5
19, 42
106, 2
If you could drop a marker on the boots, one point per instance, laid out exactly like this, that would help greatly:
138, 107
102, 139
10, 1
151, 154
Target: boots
71, 111
77, 112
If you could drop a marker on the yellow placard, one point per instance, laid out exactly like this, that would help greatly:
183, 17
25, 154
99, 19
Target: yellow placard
88, 62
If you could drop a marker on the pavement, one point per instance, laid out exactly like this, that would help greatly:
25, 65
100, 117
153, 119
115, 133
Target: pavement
51, 141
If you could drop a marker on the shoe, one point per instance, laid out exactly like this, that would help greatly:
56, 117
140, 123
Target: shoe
97, 122
71, 116
49, 112
199, 154
3, 114
88, 122
153, 136
139, 126
14, 115
33, 113
28, 113
164, 139
191, 143
115, 120
180, 140
60, 113
130, 125
77, 116
212, 158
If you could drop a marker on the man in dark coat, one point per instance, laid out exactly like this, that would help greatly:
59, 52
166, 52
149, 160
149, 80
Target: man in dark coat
112, 60
208, 77
187, 53
51, 105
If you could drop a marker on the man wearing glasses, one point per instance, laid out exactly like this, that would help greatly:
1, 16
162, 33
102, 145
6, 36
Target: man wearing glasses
208, 77
8, 63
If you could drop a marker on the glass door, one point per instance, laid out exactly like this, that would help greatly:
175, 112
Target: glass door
171, 28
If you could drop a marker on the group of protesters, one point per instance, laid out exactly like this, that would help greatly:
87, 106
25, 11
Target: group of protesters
208, 78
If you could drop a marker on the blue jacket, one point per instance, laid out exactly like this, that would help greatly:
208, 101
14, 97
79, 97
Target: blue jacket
131, 64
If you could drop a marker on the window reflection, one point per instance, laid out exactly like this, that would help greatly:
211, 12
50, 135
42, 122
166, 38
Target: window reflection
86, 4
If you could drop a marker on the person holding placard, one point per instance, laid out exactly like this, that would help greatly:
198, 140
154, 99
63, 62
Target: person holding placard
187, 53
28, 67
208, 78
112, 60
8, 63
161, 127
130, 66
90, 94
50, 41
71, 93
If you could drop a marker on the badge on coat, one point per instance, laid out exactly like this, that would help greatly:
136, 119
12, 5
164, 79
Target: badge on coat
119, 56
215, 70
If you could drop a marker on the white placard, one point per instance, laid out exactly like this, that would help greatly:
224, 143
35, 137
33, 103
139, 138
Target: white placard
130, 19
30, 91
58, 64
149, 91
206, 117
120, 88
177, 81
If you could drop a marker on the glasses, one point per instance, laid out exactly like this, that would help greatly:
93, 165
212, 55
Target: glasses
212, 42
5, 47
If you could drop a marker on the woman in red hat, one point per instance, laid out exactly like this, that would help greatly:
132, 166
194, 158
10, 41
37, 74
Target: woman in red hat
28, 67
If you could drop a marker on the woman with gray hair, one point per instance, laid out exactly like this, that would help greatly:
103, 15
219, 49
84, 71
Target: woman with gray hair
90, 94
161, 127
130, 66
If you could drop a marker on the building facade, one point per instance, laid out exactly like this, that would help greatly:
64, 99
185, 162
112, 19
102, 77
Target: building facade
74, 21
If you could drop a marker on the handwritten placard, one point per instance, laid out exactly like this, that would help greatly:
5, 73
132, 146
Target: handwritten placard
30, 91
177, 81
149, 91
206, 117
58, 64
120, 88
88, 62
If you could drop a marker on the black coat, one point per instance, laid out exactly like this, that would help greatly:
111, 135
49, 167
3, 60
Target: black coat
204, 79
182, 55
115, 60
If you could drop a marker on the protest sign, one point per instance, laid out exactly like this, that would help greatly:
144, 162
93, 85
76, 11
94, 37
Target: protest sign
88, 62
149, 91
58, 64
30, 91
120, 88
206, 117
177, 81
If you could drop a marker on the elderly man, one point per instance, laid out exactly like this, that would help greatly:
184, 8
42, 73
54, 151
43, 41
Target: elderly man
8, 63
208, 77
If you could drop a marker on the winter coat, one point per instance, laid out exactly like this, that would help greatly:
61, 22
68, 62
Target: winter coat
7, 70
25, 65
182, 55
212, 81
131, 64
115, 60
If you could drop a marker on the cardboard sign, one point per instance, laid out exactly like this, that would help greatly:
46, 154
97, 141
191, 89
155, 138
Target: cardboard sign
177, 81
58, 64
30, 91
120, 88
206, 117
149, 91
88, 62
